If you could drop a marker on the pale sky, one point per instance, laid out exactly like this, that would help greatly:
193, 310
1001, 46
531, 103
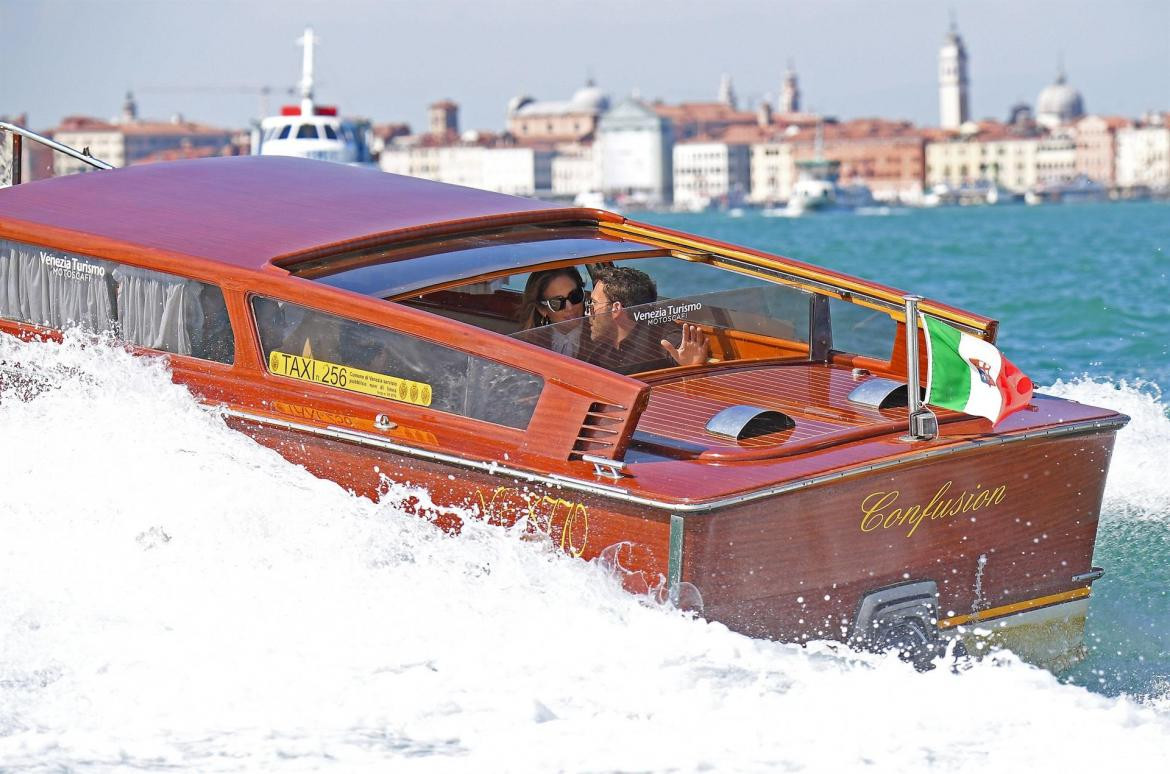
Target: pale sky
388, 60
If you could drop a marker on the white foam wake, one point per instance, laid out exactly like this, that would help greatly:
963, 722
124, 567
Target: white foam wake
1138, 484
174, 596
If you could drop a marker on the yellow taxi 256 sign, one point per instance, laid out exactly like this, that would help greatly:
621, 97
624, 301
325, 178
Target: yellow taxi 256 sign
354, 379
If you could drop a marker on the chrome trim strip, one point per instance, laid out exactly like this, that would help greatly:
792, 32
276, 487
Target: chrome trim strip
555, 479
54, 145
674, 557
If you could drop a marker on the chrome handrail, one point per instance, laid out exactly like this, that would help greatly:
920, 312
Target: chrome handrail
19, 132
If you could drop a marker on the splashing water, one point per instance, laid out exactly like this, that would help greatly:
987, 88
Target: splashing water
173, 595
1137, 484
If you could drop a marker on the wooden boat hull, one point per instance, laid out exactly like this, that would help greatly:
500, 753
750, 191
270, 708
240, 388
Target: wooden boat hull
1002, 531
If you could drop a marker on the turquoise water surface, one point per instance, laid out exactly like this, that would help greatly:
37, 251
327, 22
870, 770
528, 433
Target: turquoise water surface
1082, 294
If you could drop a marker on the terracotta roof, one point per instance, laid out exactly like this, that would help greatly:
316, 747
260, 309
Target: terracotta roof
169, 127
90, 124
84, 124
178, 154
704, 112
748, 135
249, 210
1111, 122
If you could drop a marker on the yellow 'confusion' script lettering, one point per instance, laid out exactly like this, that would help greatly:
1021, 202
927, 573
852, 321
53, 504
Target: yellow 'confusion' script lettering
878, 508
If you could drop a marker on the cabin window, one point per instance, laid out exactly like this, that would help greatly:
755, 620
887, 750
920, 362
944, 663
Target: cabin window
284, 132
307, 132
312, 346
60, 290
329, 132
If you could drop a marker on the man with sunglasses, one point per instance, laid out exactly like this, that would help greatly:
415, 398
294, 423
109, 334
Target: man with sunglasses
622, 344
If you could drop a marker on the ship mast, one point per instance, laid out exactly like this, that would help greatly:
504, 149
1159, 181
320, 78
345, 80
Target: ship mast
307, 41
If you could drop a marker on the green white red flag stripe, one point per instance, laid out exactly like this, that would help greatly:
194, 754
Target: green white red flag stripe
968, 374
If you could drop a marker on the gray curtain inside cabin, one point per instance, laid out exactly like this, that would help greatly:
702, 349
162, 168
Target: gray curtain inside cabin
156, 310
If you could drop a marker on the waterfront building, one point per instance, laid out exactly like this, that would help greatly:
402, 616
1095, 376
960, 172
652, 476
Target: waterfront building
1096, 155
1059, 104
710, 172
381, 135
773, 171
634, 148
1056, 158
953, 83
573, 120
987, 152
131, 140
576, 168
1143, 154
888, 157
520, 171
36, 159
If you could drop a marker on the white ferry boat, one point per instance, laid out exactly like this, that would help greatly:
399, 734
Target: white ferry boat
313, 131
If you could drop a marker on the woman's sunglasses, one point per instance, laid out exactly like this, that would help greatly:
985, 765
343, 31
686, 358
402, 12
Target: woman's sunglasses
557, 303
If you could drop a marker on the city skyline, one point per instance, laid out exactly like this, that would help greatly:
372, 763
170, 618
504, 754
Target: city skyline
208, 59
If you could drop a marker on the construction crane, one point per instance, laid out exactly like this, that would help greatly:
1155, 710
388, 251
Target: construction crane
263, 92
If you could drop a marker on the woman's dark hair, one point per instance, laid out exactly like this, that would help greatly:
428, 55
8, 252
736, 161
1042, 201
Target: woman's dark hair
530, 316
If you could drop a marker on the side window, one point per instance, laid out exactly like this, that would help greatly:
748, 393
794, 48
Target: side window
860, 330
60, 290
304, 344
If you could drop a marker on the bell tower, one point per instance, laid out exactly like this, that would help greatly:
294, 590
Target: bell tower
952, 81
789, 92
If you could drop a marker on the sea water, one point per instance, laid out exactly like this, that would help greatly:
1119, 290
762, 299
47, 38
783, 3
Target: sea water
175, 597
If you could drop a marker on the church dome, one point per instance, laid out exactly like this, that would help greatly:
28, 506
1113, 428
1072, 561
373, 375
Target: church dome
590, 98
516, 103
1059, 104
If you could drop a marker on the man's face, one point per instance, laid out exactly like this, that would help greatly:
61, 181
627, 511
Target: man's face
601, 315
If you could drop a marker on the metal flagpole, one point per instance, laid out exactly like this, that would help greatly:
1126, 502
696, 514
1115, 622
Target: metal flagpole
923, 422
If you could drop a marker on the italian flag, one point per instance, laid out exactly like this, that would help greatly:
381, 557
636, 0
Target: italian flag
968, 374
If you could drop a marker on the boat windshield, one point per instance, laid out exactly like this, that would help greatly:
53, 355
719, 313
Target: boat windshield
762, 321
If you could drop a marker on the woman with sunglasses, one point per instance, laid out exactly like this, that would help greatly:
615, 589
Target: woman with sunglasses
551, 297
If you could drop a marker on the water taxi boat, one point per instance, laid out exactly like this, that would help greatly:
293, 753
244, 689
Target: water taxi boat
784, 482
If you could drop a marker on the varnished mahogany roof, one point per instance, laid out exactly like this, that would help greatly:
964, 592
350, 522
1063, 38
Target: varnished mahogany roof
249, 210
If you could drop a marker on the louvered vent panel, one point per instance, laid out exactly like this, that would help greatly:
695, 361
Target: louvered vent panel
601, 430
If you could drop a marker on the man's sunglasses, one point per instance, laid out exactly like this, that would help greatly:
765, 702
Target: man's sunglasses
557, 303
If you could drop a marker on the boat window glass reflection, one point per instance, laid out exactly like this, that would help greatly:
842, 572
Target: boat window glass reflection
759, 321
307, 132
146, 308
329, 132
861, 330
312, 346
284, 132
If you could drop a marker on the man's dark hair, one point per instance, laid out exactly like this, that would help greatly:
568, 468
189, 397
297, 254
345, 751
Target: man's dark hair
629, 287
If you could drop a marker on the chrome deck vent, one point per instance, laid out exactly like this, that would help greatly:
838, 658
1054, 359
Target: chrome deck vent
880, 393
741, 422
